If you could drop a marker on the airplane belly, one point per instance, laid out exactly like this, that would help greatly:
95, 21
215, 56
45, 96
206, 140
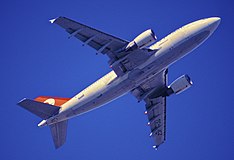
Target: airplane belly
180, 48
173, 50
189, 44
113, 92
176, 48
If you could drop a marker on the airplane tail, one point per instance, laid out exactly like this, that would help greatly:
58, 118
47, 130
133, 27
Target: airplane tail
46, 107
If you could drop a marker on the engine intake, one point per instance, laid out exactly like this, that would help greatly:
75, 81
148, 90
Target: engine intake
144, 39
179, 85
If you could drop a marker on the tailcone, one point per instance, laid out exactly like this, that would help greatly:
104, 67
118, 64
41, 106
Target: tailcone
42, 123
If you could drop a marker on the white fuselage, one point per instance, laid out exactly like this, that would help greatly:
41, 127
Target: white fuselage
109, 87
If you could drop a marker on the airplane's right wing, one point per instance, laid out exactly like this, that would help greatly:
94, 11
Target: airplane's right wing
152, 93
156, 112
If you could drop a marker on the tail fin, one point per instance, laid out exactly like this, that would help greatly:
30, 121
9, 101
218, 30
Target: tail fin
40, 109
56, 101
59, 133
45, 107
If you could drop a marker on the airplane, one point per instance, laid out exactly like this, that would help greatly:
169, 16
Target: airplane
139, 67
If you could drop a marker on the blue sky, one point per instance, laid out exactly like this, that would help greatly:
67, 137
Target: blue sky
37, 58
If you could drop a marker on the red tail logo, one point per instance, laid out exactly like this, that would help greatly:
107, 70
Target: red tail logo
56, 101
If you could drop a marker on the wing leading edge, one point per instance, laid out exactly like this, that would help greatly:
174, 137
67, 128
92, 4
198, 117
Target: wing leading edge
155, 105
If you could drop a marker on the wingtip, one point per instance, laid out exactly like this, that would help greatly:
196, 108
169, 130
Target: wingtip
155, 147
52, 20
58, 146
21, 100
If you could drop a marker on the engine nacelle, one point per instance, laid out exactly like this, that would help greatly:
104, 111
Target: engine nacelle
144, 39
180, 84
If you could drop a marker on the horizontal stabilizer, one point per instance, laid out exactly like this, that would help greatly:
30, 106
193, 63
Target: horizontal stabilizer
40, 109
59, 133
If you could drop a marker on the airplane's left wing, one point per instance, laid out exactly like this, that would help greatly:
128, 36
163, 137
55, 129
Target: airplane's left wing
100, 41
120, 61
152, 93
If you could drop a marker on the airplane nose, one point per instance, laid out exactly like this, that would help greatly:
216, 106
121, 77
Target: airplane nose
213, 23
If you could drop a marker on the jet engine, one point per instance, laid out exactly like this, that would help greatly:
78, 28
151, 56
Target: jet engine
179, 85
144, 39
